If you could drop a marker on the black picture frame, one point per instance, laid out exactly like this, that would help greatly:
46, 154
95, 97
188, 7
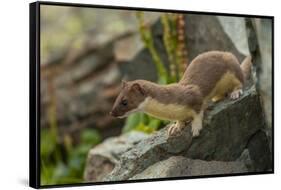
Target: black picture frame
34, 93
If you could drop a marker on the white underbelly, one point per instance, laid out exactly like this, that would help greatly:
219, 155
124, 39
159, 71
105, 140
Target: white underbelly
171, 112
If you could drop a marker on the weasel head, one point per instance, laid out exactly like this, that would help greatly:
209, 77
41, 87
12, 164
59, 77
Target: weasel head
129, 100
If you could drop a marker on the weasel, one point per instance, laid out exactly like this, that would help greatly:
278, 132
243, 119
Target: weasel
210, 77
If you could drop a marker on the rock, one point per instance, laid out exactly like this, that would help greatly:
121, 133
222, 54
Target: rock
137, 68
179, 166
228, 126
264, 36
235, 28
103, 158
259, 152
246, 159
126, 49
260, 43
206, 34
149, 151
257, 156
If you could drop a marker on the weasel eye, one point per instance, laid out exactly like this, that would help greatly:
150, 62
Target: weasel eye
124, 102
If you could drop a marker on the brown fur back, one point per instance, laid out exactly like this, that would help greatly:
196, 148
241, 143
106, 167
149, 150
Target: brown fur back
208, 68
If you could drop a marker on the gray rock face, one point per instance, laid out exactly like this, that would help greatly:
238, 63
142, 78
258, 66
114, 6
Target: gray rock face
259, 152
206, 34
246, 159
264, 37
235, 28
179, 166
148, 152
228, 128
103, 158
260, 43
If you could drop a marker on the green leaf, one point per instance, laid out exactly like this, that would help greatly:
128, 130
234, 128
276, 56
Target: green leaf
154, 124
131, 122
144, 128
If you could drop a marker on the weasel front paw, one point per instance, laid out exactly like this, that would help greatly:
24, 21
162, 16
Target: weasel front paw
196, 125
196, 130
236, 94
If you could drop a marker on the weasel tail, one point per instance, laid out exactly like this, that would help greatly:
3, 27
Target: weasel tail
246, 67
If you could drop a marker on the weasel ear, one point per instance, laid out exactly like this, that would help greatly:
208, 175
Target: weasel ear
124, 83
137, 87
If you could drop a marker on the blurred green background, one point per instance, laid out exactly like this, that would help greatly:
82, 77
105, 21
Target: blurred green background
84, 53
